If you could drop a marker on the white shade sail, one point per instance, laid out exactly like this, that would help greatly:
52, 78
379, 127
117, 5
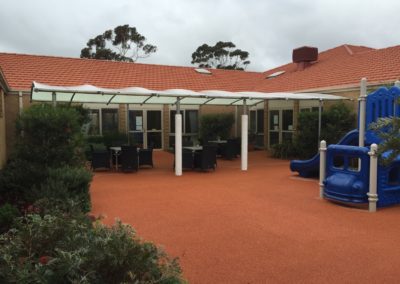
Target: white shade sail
138, 95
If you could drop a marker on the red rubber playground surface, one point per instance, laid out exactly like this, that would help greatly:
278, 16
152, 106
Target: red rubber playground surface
265, 225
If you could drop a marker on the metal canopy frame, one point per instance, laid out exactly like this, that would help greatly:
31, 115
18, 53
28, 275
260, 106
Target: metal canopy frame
140, 96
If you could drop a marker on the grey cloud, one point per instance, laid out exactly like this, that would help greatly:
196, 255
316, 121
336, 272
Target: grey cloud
269, 30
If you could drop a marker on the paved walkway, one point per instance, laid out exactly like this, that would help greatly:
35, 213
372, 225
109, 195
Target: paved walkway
261, 226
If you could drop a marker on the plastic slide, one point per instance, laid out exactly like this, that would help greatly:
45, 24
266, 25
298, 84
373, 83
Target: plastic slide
310, 168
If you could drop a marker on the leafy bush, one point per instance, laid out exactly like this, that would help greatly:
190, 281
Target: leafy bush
66, 183
97, 139
115, 139
64, 249
7, 215
284, 151
213, 126
336, 122
17, 180
51, 136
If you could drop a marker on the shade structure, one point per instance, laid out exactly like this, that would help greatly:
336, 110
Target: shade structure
139, 95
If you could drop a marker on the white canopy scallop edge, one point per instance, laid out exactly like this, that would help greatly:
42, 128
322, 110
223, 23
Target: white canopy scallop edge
138, 95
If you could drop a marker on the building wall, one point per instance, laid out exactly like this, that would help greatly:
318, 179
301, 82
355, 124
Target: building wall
166, 128
12, 111
3, 146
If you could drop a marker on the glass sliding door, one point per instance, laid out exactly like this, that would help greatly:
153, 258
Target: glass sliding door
145, 128
287, 125
109, 120
256, 127
136, 127
190, 127
274, 127
153, 129
280, 126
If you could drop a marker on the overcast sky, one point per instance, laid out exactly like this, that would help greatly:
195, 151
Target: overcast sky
267, 29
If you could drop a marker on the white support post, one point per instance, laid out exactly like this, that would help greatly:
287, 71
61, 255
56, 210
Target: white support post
319, 119
20, 102
178, 144
362, 100
373, 177
245, 138
127, 124
395, 102
54, 99
322, 167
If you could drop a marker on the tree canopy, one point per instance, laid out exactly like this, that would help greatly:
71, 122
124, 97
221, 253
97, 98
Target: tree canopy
123, 43
223, 55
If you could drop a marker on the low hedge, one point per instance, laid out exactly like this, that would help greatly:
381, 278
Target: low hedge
72, 249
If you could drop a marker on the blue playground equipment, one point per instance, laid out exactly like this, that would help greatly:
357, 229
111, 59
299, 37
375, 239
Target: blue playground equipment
350, 174
310, 168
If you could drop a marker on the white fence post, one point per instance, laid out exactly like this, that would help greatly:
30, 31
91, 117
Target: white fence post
322, 167
373, 175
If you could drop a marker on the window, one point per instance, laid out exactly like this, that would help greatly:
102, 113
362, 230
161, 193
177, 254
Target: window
394, 175
256, 121
94, 124
190, 119
260, 121
287, 120
338, 162
135, 120
109, 120
190, 128
354, 164
253, 122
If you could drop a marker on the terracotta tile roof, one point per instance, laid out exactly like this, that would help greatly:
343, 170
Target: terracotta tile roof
337, 68
20, 70
340, 67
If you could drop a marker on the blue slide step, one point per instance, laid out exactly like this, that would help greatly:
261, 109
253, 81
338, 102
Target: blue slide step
310, 168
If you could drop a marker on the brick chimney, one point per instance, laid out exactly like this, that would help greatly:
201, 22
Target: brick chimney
303, 56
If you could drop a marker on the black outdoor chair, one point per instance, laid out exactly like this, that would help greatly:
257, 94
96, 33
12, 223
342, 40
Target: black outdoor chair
206, 159
238, 148
100, 160
146, 157
229, 150
129, 158
187, 159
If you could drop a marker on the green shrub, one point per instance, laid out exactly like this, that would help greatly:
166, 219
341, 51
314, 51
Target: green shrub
60, 249
335, 123
17, 180
213, 126
284, 151
66, 183
7, 215
51, 136
96, 139
115, 139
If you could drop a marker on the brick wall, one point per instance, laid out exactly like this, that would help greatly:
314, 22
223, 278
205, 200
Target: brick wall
122, 122
3, 146
11, 103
